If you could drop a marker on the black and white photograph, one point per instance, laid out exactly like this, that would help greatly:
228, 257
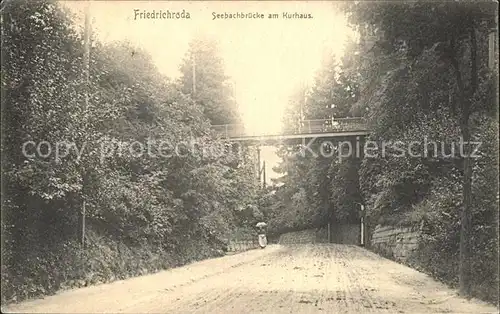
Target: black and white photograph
249, 157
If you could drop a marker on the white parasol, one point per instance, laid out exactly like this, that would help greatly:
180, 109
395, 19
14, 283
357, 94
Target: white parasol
261, 224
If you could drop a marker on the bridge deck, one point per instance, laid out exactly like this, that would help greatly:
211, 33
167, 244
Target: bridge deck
306, 129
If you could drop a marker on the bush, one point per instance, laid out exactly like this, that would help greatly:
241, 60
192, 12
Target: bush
47, 271
438, 251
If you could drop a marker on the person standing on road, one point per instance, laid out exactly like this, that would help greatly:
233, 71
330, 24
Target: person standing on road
261, 231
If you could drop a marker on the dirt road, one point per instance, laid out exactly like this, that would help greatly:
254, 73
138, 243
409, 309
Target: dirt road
277, 279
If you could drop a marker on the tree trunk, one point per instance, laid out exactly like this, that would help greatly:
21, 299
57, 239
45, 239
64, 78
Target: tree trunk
464, 98
465, 216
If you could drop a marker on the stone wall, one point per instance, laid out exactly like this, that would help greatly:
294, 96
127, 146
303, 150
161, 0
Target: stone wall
346, 234
242, 245
303, 237
394, 242
341, 234
321, 235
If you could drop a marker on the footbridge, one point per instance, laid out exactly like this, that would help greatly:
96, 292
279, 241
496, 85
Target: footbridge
342, 128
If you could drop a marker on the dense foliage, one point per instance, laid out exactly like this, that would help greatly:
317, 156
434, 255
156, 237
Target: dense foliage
215, 94
316, 186
419, 73
437, 85
147, 205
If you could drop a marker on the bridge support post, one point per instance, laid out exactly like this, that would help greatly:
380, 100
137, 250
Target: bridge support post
362, 226
328, 233
258, 165
264, 174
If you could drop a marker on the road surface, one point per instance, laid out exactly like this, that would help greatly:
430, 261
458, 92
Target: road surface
294, 279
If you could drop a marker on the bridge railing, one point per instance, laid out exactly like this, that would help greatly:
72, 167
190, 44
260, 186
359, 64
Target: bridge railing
229, 130
331, 125
304, 127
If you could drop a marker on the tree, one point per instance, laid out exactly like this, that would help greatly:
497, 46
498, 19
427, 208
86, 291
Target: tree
148, 206
204, 78
449, 44
317, 190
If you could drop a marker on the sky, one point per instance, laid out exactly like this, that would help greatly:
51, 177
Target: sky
265, 58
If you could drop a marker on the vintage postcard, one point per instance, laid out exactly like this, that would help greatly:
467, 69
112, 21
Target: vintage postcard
249, 156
